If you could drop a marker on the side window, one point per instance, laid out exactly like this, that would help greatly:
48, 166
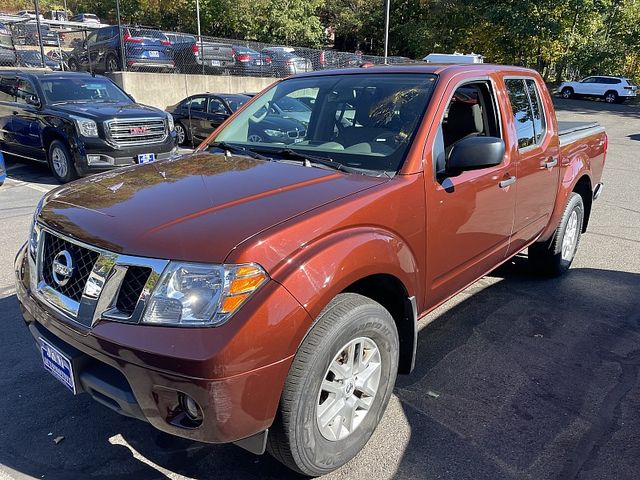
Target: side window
7, 89
589, 80
24, 90
216, 106
197, 104
539, 126
91, 39
522, 112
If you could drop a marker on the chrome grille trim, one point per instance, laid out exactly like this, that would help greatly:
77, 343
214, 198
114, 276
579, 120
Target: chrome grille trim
118, 131
102, 287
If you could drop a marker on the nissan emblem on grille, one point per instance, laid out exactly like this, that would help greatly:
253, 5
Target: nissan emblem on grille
62, 268
138, 130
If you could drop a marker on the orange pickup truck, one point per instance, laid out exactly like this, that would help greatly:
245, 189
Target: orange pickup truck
267, 293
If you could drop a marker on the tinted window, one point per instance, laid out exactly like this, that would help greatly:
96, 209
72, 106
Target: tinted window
196, 104
522, 112
216, 106
24, 90
589, 80
7, 89
538, 113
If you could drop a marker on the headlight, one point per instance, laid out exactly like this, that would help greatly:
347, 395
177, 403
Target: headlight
170, 122
200, 294
274, 133
86, 127
33, 233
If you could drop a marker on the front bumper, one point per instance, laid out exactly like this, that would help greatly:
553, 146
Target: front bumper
93, 155
140, 371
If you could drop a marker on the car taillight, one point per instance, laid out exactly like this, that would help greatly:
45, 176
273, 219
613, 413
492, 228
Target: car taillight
268, 59
243, 58
165, 42
128, 38
322, 57
233, 52
606, 143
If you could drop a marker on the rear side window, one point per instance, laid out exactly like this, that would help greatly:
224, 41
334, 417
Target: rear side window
539, 126
8, 89
522, 112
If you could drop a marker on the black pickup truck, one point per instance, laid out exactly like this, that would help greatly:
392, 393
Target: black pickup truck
78, 123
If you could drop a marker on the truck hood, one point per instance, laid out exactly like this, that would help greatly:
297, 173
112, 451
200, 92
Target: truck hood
103, 111
194, 208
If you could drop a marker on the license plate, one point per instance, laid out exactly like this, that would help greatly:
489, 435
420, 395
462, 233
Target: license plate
146, 157
298, 140
154, 54
215, 63
57, 364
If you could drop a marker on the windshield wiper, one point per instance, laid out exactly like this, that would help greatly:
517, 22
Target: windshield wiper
238, 149
309, 160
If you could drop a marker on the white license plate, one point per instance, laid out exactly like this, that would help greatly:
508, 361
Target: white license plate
57, 364
154, 54
146, 157
298, 140
215, 63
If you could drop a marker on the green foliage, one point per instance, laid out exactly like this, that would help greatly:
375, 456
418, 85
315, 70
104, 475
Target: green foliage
562, 39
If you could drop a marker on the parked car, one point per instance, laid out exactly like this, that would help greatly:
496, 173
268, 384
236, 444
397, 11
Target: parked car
285, 62
4, 29
85, 18
8, 56
146, 50
27, 34
250, 62
611, 89
185, 51
269, 295
329, 59
78, 123
215, 57
33, 59
3, 169
60, 15
290, 107
29, 14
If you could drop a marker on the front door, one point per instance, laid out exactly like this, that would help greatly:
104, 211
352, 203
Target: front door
538, 159
470, 215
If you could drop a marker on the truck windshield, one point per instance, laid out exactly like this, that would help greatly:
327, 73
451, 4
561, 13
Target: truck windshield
364, 121
60, 90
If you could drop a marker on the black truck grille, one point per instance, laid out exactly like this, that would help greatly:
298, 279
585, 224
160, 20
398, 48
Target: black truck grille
83, 261
131, 289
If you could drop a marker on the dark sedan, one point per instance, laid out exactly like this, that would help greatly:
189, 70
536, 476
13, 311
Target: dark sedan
250, 62
197, 116
33, 59
285, 61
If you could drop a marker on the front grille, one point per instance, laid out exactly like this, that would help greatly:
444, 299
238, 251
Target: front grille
296, 133
131, 289
83, 261
126, 133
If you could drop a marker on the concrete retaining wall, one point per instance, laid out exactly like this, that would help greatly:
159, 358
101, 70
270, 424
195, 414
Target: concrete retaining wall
162, 89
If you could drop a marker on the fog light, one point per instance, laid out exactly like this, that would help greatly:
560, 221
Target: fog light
93, 159
191, 408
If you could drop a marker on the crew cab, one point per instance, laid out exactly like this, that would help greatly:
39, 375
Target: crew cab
610, 89
268, 294
78, 123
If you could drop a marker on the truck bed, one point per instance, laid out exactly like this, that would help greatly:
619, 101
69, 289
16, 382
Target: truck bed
569, 132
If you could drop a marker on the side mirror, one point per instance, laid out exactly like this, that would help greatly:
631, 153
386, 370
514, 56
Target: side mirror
474, 153
33, 100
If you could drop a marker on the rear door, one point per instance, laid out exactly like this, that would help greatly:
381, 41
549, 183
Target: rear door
537, 158
196, 110
8, 105
26, 124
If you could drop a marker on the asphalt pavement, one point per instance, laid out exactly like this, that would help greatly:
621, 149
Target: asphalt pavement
517, 377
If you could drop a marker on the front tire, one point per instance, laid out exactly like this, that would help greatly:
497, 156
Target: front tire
338, 386
567, 93
61, 162
181, 134
111, 63
554, 257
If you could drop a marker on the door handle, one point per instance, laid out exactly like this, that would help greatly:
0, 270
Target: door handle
507, 182
551, 163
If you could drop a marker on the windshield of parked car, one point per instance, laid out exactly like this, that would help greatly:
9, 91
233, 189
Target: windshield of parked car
59, 90
364, 121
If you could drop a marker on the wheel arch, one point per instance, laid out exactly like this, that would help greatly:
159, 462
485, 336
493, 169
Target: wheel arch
584, 188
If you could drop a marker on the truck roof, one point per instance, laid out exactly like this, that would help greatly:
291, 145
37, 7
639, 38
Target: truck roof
434, 68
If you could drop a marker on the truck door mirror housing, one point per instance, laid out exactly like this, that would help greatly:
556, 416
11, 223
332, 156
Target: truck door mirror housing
33, 100
474, 153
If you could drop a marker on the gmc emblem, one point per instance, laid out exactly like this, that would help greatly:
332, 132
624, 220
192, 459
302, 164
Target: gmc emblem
138, 130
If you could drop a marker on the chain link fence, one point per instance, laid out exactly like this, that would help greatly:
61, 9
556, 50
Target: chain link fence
100, 50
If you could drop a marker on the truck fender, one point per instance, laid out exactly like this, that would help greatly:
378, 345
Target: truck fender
321, 270
576, 168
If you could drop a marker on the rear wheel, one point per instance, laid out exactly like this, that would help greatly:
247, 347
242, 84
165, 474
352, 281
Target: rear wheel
567, 92
611, 97
61, 162
338, 386
554, 257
